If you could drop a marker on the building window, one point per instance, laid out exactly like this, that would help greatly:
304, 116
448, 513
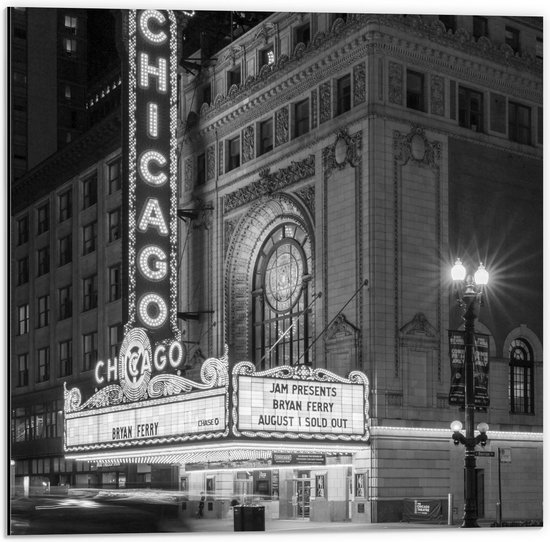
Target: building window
43, 257
449, 21
70, 24
206, 94
114, 225
65, 302
23, 370
69, 45
66, 358
519, 123
65, 246
201, 169
521, 390
470, 109
234, 77
68, 92
114, 176
480, 27
511, 38
302, 34
43, 218
89, 349
65, 205
43, 311
115, 340
115, 286
266, 136
343, 94
267, 56
89, 293
89, 238
43, 364
233, 154
282, 331
301, 118
23, 271
415, 91
89, 191
23, 230
23, 319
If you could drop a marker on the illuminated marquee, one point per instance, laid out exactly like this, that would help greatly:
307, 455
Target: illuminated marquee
299, 402
152, 173
172, 408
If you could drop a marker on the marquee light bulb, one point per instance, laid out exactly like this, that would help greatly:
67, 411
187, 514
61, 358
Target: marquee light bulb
158, 37
160, 72
146, 158
155, 255
152, 216
153, 117
158, 303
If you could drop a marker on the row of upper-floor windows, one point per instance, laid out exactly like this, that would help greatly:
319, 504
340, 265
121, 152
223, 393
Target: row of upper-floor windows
265, 56
88, 197
87, 241
301, 122
65, 302
301, 33
478, 110
41, 367
481, 27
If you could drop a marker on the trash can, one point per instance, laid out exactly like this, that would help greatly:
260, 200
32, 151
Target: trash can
249, 518
237, 518
254, 518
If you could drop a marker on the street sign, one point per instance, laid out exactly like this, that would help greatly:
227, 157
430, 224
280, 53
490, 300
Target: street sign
485, 454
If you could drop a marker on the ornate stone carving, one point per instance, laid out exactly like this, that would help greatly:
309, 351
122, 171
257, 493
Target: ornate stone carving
281, 126
419, 325
395, 87
188, 174
415, 146
346, 150
307, 195
437, 91
210, 162
314, 114
270, 183
229, 228
248, 144
340, 329
220, 158
359, 84
325, 104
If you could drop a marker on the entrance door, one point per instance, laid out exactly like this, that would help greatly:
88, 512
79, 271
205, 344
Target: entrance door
303, 491
480, 492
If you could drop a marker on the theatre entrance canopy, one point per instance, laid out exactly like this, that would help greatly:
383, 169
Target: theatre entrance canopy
145, 414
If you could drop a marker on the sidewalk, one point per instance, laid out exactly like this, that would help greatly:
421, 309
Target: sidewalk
225, 526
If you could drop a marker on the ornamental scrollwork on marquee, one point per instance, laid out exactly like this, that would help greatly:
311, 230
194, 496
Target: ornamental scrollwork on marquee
302, 373
214, 373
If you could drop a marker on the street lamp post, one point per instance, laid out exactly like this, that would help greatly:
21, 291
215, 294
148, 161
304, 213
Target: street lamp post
469, 295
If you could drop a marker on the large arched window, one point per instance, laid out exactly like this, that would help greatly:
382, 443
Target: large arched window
282, 330
521, 389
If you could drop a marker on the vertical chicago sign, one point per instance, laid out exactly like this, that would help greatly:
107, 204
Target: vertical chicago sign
152, 174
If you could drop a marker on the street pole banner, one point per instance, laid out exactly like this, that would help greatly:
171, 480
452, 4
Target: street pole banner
481, 369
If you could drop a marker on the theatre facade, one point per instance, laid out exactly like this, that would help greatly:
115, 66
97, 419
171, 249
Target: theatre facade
291, 211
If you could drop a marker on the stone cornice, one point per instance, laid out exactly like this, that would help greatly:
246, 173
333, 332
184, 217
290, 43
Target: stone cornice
93, 145
456, 55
